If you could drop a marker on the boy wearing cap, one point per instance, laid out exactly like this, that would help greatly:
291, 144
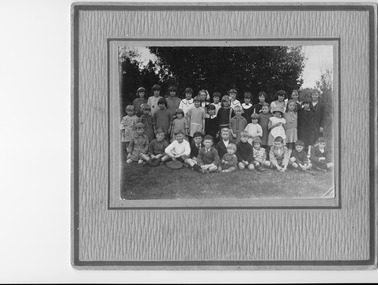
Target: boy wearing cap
229, 161
153, 100
138, 147
208, 158
244, 152
173, 102
162, 118
253, 129
299, 159
141, 92
259, 155
233, 101
156, 148
187, 102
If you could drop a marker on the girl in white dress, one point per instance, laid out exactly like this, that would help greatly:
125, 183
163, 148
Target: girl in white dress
276, 125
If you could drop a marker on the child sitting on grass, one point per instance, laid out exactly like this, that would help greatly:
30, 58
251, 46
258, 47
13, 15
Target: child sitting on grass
195, 147
138, 147
320, 156
279, 155
259, 155
229, 160
156, 148
299, 159
244, 152
253, 129
208, 158
179, 149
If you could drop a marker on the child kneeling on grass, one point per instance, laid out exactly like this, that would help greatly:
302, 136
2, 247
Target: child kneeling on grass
244, 152
259, 155
229, 160
279, 154
179, 149
156, 149
138, 147
299, 159
320, 157
208, 158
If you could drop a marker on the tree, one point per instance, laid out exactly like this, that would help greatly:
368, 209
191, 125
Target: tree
253, 69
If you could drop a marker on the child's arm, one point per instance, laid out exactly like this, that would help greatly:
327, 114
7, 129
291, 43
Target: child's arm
272, 157
170, 123
154, 122
285, 161
259, 131
199, 157
146, 144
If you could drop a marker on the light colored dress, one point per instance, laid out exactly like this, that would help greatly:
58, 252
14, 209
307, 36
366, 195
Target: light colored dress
185, 105
291, 127
153, 103
127, 124
278, 131
196, 120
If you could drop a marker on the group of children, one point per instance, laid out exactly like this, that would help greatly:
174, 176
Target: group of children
226, 135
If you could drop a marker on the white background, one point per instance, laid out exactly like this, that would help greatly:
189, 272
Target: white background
35, 161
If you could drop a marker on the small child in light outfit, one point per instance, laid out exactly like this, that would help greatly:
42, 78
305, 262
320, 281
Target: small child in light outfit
253, 129
138, 147
320, 156
179, 149
208, 158
179, 123
299, 159
279, 155
259, 156
156, 148
244, 152
276, 126
229, 161
127, 125
196, 118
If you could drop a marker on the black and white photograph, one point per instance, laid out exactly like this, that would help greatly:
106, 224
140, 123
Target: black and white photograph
204, 122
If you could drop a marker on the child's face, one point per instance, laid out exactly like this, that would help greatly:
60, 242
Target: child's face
197, 104
277, 114
159, 137
291, 106
322, 145
265, 109
262, 98
162, 106
179, 115
208, 143
188, 96
281, 98
226, 103
156, 93
294, 96
247, 101
180, 138
278, 144
211, 112
256, 146
299, 148
306, 106
244, 139
197, 140
232, 96
216, 99
230, 150
139, 131
172, 93
141, 94
225, 135
238, 112
202, 96
315, 96
254, 121
129, 112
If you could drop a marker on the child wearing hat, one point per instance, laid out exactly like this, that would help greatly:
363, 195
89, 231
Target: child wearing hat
138, 147
141, 92
173, 102
299, 159
259, 155
229, 161
279, 155
187, 102
179, 123
153, 100
208, 158
146, 119
196, 117
276, 125
156, 148
244, 152
253, 129
320, 156
162, 118
233, 101
127, 124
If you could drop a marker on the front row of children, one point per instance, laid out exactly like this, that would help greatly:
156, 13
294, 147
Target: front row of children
225, 156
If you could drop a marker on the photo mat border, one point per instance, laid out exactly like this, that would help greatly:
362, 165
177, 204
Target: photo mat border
372, 139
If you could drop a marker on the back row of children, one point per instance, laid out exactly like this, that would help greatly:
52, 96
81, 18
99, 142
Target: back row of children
288, 118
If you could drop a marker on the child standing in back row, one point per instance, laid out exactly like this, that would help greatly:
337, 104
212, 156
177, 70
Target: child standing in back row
141, 92
225, 113
196, 118
247, 107
146, 119
212, 123
276, 125
291, 119
187, 103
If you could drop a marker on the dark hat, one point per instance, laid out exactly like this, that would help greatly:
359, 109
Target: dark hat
172, 88
232, 91
145, 107
156, 87
159, 131
162, 101
141, 89
299, 142
277, 109
257, 140
139, 125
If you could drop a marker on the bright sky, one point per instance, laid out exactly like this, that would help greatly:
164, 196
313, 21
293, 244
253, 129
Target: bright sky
319, 58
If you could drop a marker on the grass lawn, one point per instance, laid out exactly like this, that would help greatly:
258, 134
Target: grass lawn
146, 182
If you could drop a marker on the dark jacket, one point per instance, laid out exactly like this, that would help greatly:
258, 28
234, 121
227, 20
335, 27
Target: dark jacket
244, 152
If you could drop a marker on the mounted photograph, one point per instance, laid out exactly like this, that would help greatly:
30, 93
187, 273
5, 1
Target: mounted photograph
227, 122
